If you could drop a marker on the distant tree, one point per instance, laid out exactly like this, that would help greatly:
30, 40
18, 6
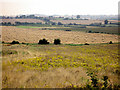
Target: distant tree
53, 23
70, 24
15, 42
50, 17
59, 23
89, 31
3, 42
4, 23
9, 23
7, 17
31, 16
86, 44
39, 23
61, 17
46, 19
17, 23
23, 16
106, 21
16, 17
57, 41
43, 41
78, 16
67, 30
3, 17
66, 18
74, 23
46, 22
110, 42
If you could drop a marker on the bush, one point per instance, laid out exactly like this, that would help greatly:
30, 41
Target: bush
105, 78
89, 31
86, 44
57, 41
15, 42
59, 23
23, 43
67, 30
43, 41
110, 42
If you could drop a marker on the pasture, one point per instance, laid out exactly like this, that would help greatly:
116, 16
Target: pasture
59, 66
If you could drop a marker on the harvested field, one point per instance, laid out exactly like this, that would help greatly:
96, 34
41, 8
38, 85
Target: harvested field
79, 21
10, 33
22, 20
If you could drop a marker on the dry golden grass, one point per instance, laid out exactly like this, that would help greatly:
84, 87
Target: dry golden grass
53, 78
56, 78
17, 76
10, 33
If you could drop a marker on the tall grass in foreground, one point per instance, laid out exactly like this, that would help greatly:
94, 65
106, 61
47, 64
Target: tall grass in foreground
64, 66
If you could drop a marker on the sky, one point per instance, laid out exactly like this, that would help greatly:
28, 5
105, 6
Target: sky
59, 7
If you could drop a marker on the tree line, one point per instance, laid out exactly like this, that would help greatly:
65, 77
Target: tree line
41, 41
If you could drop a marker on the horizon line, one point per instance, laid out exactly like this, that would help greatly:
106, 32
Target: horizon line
65, 14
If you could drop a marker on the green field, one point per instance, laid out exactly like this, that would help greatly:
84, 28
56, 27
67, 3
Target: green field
60, 66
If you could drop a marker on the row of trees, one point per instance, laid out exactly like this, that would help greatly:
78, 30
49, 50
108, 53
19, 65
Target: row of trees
42, 41
17, 23
36, 17
40, 23
48, 22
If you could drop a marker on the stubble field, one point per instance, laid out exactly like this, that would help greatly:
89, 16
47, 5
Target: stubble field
33, 35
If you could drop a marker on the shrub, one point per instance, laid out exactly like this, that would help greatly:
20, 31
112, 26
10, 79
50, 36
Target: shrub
93, 78
105, 78
15, 42
89, 31
110, 42
59, 23
67, 30
23, 43
43, 41
57, 41
86, 44
3, 42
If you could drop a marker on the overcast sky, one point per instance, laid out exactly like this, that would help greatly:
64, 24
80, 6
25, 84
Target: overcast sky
59, 7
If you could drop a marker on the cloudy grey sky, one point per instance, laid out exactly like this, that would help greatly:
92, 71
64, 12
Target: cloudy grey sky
59, 7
